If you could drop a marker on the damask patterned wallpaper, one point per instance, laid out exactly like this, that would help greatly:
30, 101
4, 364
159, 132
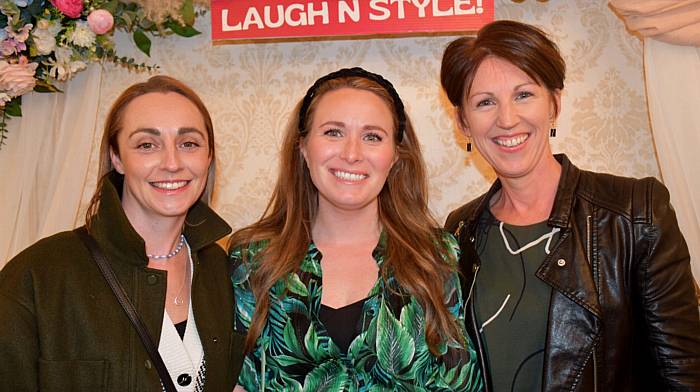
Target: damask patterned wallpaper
250, 90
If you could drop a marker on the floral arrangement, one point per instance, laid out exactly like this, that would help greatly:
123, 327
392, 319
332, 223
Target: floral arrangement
44, 43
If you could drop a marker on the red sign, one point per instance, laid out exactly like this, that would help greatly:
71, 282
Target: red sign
282, 19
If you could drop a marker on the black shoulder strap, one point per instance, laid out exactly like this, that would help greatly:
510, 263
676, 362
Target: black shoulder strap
128, 307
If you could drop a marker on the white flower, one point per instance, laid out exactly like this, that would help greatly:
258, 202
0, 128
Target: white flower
64, 67
44, 36
82, 35
4, 98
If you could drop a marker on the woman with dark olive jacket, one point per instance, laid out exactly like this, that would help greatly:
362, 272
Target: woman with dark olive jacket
576, 281
61, 327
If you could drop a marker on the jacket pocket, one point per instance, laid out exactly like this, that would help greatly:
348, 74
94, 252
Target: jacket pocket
236, 353
73, 375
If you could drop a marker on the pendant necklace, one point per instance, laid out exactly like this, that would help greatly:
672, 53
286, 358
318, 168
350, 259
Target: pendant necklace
178, 300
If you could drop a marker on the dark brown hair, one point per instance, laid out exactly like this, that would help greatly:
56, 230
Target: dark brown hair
113, 125
523, 45
414, 246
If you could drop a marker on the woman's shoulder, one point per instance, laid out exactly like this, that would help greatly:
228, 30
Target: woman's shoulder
462, 213
633, 197
45, 263
58, 249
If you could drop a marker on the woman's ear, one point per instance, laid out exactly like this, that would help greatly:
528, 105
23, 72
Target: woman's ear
302, 148
116, 161
556, 102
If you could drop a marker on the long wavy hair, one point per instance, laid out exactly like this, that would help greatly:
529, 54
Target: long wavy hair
415, 250
113, 125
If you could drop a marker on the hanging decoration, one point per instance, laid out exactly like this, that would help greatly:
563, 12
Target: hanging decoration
44, 43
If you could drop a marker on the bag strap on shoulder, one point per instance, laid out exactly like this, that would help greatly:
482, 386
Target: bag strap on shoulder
118, 290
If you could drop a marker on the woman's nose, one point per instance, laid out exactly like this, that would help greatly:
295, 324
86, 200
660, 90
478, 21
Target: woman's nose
171, 159
352, 150
507, 115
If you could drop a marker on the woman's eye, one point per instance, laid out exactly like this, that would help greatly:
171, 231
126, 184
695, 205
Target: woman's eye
190, 145
524, 94
146, 146
332, 132
373, 137
484, 102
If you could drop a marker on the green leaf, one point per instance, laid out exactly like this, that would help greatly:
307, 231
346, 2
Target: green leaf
183, 31
291, 341
296, 286
187, 12
312, 344
329, 377
45, 87
142, 42
110, 6
14, 107
395, 346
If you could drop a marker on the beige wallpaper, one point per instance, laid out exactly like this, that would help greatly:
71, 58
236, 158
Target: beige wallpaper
250, 90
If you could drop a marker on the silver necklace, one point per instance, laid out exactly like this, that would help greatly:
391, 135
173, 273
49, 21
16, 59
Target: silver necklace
178, 300
171, 254
532, 243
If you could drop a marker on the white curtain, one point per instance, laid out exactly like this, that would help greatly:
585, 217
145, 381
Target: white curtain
44, 164
671, 31
673, 94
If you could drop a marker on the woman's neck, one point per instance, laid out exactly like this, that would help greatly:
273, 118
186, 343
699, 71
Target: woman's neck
336, 226
529, 199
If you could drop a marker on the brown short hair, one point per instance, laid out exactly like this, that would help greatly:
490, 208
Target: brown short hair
113, 125
523, 45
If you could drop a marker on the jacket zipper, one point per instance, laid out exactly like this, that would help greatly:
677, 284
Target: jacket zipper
590, 261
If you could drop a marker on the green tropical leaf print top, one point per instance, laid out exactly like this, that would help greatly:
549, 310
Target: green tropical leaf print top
295, 353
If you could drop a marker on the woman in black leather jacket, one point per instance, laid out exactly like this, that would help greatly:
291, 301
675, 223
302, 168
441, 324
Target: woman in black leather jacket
576, 281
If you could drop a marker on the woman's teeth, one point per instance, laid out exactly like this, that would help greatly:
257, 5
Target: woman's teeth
512, 141
349, 176
172, 185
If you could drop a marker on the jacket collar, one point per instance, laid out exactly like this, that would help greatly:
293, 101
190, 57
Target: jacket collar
563, 201
566, 191
115, 234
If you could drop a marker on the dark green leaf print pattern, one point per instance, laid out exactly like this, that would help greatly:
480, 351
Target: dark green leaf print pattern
295, 353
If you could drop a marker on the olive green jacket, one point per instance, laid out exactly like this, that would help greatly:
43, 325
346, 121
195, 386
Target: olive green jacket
62, 329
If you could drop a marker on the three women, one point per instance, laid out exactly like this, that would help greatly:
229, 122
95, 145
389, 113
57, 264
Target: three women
578, 280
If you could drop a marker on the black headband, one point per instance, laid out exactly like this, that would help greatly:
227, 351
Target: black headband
359, 72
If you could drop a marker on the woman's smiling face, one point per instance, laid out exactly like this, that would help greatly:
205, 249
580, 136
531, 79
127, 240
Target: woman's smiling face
163, 155
508, 115
349, 148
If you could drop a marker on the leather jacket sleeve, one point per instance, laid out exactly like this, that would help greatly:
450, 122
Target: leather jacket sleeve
667, 292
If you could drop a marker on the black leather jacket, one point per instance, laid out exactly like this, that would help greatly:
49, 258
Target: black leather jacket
623, 314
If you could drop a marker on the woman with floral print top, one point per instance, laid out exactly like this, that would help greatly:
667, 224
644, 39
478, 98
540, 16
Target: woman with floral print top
346, 283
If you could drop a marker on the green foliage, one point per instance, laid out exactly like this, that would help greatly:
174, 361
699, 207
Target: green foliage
183, 31
61, 46
14, 107
142, 42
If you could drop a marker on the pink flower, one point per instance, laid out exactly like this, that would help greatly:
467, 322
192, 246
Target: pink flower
70, 8
17, 79
100, 21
